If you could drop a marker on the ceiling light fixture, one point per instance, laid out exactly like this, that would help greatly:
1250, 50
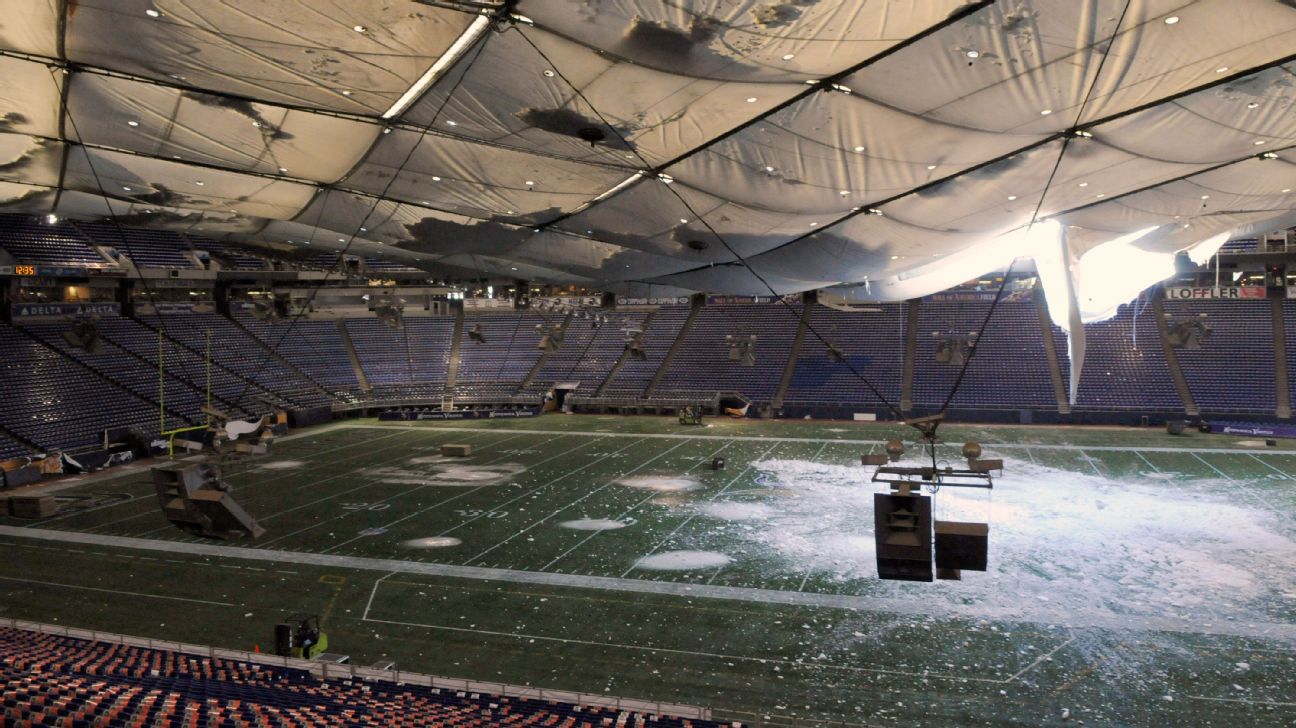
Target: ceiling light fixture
1172, 20
346, 92
751, 99
1259, 142
435, 178
200, 183
132, 122
479, 26
548, 72
126, 188
1221, 69
859, 149
789, 56
1084, 184
973, 53
152, 13
1012, 197
1252, 105
359, 28
1046, 112
930, 167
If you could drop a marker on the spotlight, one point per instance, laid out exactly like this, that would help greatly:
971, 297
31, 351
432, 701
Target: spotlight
1190, 333
742, 349
83, 335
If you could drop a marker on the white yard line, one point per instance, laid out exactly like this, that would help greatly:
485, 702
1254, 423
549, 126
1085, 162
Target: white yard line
1222, 474
1241, 700
627, 512
373, 592
1040, 659
1155, 469
118, 592
1071, 618
754, 438
317, 501
606, 485
694, 653
1092, 464
442, 502
1283, 473
331, 465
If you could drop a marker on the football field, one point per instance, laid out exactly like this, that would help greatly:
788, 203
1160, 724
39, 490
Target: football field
1135, 578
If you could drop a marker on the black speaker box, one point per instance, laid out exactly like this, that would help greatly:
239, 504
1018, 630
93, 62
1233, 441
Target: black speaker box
902, 528
961, 545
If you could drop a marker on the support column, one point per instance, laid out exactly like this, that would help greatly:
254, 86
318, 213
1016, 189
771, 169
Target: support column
911, 353
1283, 408
1172, 357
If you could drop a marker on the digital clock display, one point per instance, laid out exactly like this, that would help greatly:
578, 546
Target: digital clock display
25, 270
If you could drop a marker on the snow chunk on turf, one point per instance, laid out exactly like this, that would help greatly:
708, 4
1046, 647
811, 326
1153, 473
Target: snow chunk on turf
734, 511
683, 561
593, 524
431, 542
283, 465
660, 482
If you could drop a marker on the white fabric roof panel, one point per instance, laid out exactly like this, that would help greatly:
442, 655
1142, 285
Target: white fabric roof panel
804, 157
29, 97
192, 126
1036, 56
517, 96
477, 180
594, 259
296, 52
30, 26
165, 183
32, 160
246, 96
649, 216
741, 40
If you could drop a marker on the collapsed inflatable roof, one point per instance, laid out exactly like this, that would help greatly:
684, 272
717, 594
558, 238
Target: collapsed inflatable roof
907, 144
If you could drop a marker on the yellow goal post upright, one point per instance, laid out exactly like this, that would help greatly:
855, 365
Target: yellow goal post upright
162, 428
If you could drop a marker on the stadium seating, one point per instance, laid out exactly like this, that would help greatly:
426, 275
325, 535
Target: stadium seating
56, 403
64, 681
1009, 370
145, 248
11, 448
409, 362
1239, 350
587, 354
659, 334
872, 342
703, 366
29, 241
494, 370
1289, 337
1124, 367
